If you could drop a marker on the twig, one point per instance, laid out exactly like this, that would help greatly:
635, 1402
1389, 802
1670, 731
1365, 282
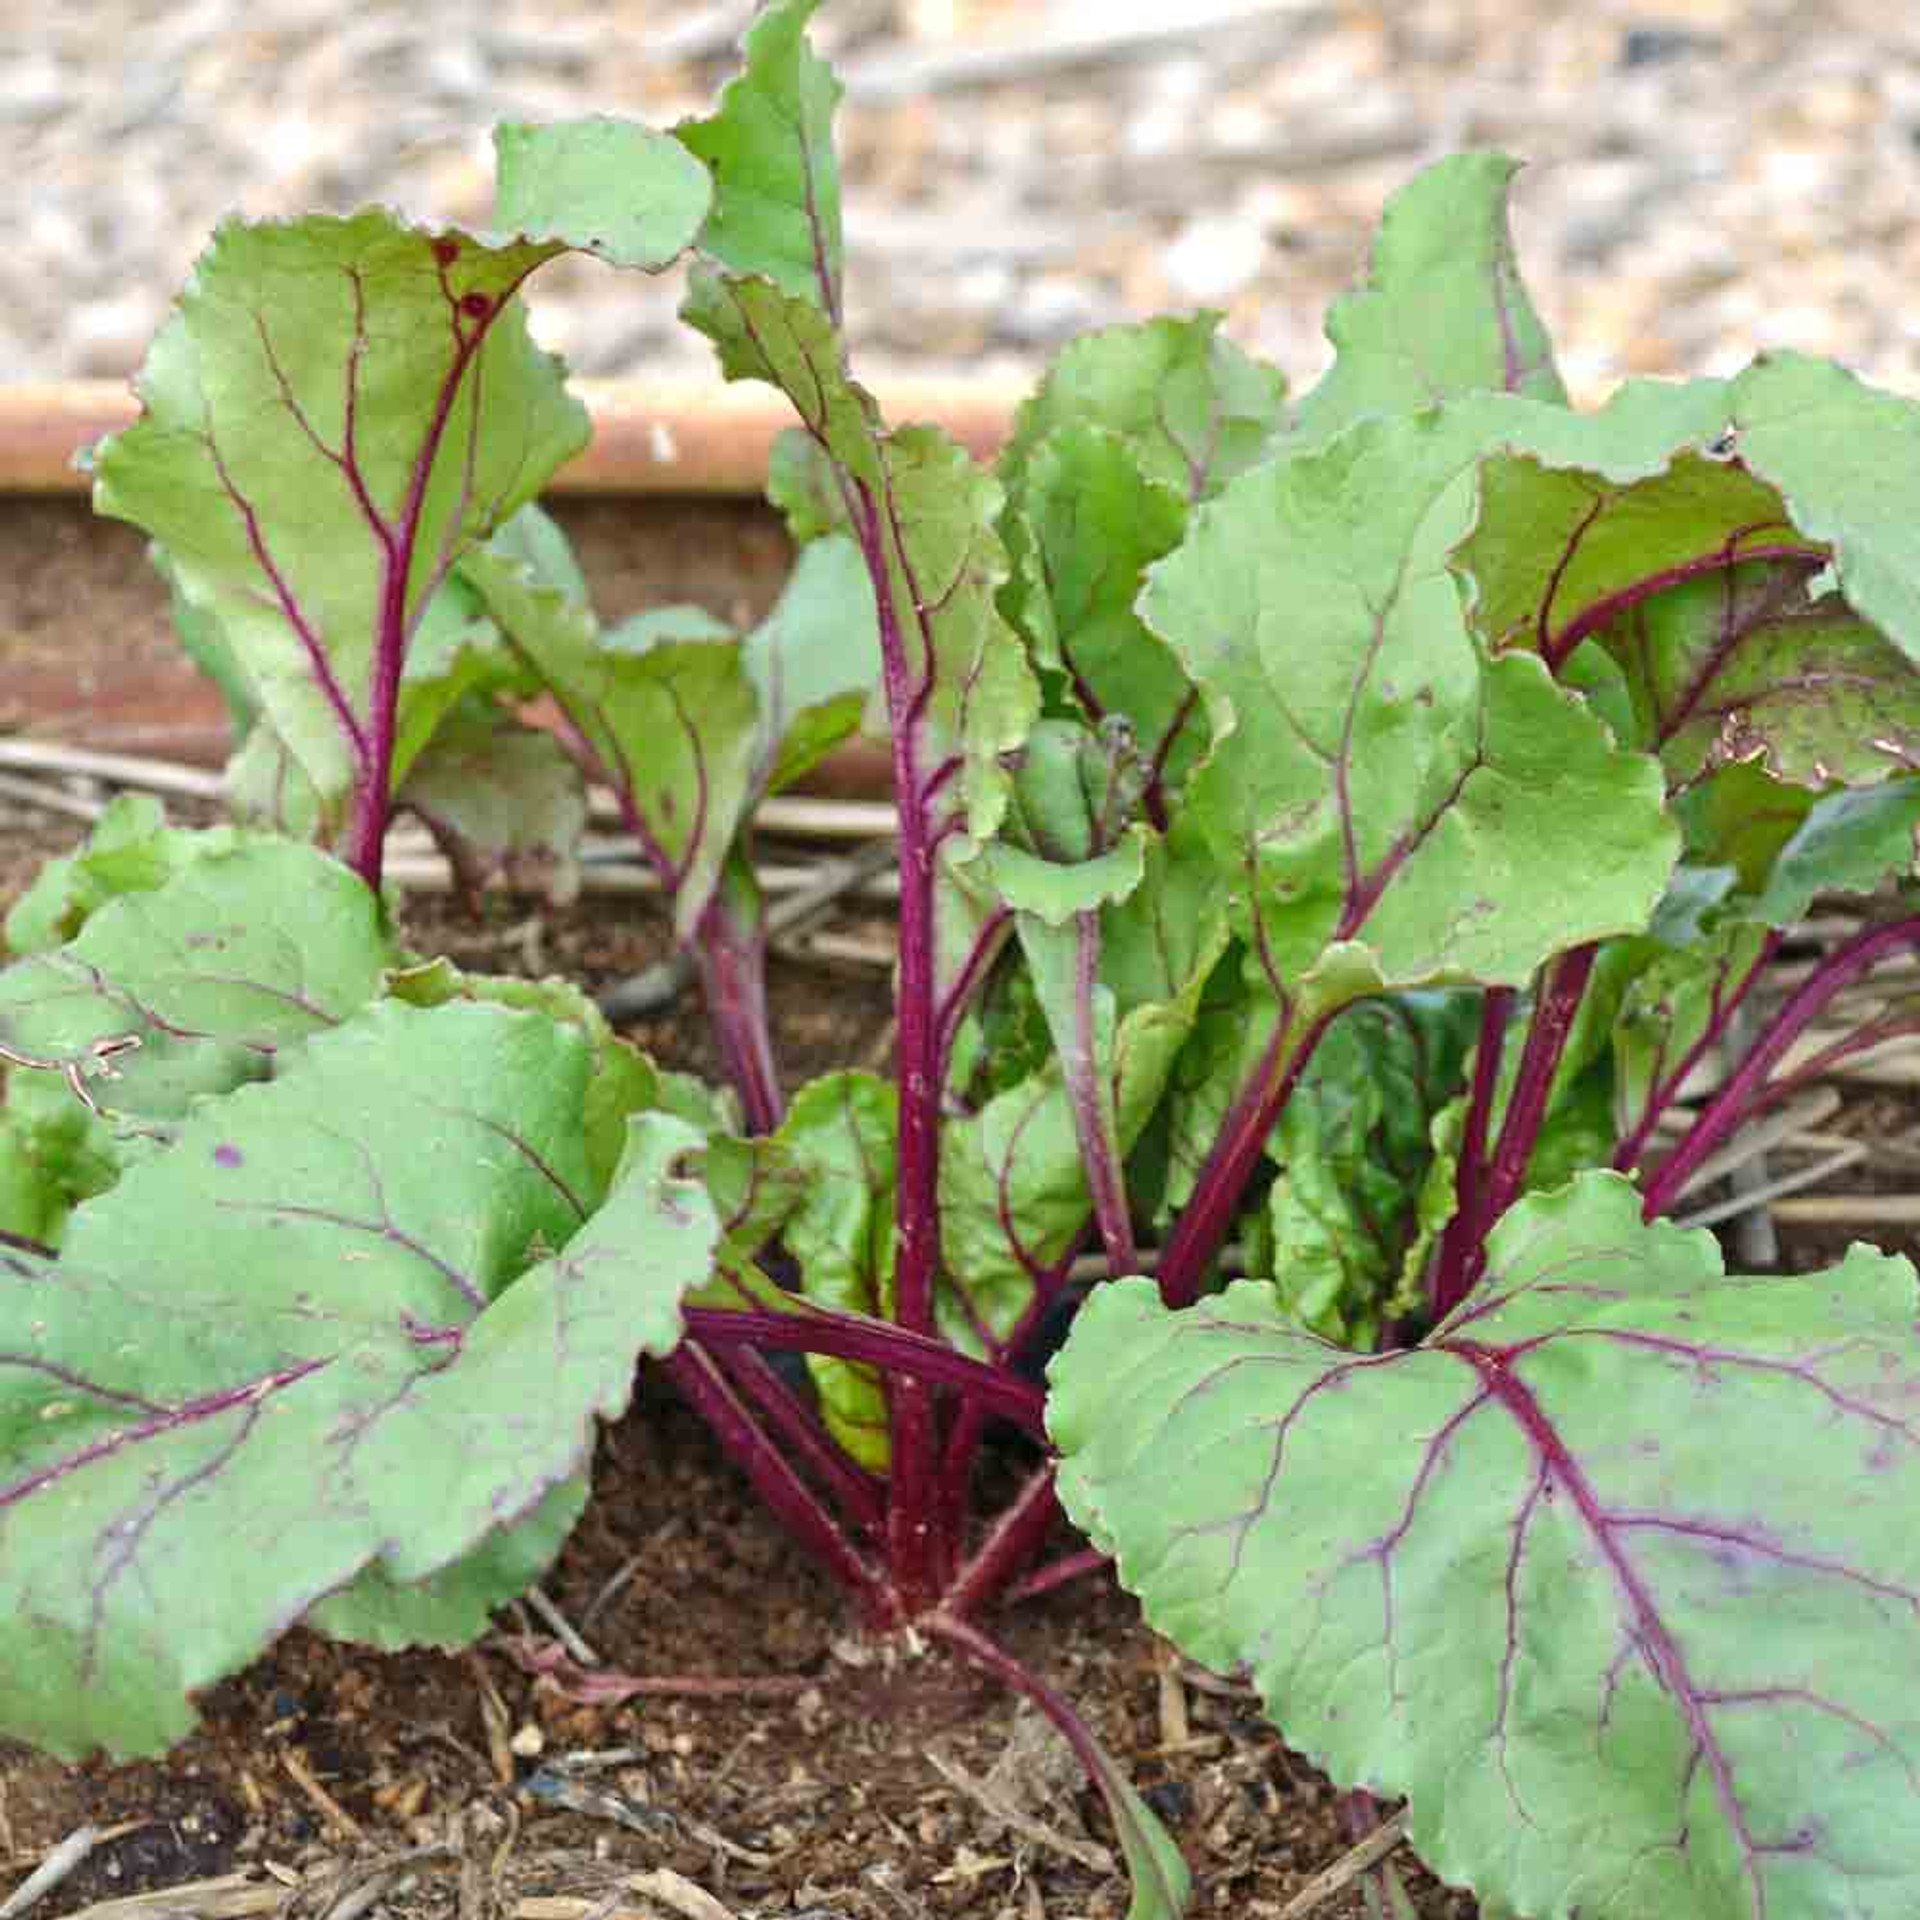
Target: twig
1852, 1209
1348, 1868
1773, 1190
229, 1896
1086, 1852
36, 793
56, 1867
563, 1628
329, 1809
121, 769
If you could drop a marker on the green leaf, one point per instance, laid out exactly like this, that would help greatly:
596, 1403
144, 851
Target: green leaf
839, 1139
1672, 1007
769, 148
1849, 842
130, 849
353, 1316
925, 525
1354, 1146
451, 1607
1443, 311
1190, 409
1014, 1178
611, 188
621, 1080
1571, 1576
504, 802
338, 409
1663, 564
1395, 809
664, 704
202, 983
1083, 524
814, 662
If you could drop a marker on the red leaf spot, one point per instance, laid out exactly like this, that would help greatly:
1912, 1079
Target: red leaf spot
226, 1156
476, 306
446, 251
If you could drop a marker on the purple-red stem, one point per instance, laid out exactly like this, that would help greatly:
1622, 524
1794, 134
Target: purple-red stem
1014, 1542
1470, 1177
731, 953
1056, 1573
373, 797
859, 1495
1560, 647
1011, 1674
913, 1551
924, 1357
791, 1501
1205, 1220
1746, 1089
1556, 1006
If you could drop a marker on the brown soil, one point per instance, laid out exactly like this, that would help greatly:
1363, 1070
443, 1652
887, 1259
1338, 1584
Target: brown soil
343, 1782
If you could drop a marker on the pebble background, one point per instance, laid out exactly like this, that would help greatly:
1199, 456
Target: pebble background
1707, 177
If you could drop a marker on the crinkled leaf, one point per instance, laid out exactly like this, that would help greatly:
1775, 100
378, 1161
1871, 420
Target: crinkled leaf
451, 1607
1354, 1147
371, 1327
504, 802
1738, 819
1190, 408
839, 1137
1396, 809
1744, 665
621, 1080
1572, 1576
131, 849
606, 187
769, 148
235, 959
1793, 461
1083, 524
1443, 311
337, 409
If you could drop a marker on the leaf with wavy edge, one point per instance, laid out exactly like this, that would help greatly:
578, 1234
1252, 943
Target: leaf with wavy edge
356, 1315
1572, 1576
1443, 311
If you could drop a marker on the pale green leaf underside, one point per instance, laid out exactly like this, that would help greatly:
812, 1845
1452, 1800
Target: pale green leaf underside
1572, 1576
387, 1339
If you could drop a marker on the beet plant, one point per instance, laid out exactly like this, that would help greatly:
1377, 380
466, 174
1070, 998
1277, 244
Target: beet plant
1330, 837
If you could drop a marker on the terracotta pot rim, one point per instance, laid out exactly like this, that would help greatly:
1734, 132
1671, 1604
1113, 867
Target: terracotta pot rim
662, 437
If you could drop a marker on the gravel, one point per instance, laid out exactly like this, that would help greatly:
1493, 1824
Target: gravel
1708, 177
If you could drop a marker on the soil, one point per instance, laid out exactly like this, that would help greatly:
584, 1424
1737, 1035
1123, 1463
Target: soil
781, 1764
